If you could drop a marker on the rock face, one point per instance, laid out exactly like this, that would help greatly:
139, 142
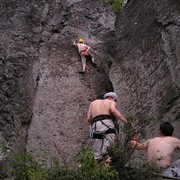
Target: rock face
19, 45
44, 99
145, 72
58, 125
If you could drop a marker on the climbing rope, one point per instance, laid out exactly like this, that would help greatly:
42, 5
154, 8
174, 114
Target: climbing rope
90, 82
77, 34
76, 24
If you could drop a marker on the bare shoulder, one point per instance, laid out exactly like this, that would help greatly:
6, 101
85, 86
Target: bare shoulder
173, 139
154, 140
167, 139
81, 44
109, 101
96, 101
177, 140
78, 44
85, 45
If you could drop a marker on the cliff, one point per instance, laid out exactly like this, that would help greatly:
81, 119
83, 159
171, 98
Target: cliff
44, 99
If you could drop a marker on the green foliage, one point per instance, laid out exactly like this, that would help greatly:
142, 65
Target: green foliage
60, 173
24, 167
4, 148
89, 170
136, 173
122, 151
116, 5
86, 170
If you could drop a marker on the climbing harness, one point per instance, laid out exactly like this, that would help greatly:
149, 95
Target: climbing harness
86, 54
91, 132
101, 117
94, 135
89, 58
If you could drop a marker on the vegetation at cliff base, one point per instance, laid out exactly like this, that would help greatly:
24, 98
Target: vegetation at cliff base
116, 5
24, 166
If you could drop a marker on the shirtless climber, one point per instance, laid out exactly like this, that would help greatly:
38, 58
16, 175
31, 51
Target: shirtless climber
160, 150
84, 54
100, 115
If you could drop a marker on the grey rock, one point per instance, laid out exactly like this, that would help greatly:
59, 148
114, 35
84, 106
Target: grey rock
44, 99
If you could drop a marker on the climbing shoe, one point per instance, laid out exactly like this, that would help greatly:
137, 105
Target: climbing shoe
94, 64
81, 72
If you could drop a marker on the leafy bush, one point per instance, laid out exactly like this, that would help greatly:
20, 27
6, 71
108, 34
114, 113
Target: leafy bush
116, 5
86, 170
89, 170
122, 151
25, 167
